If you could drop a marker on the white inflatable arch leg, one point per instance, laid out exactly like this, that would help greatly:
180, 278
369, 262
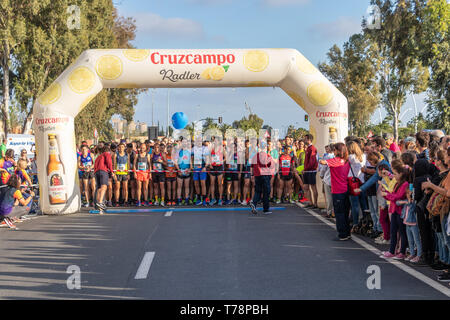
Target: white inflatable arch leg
56, 108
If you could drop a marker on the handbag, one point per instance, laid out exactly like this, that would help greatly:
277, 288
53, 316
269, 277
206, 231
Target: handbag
354, 183
439, 204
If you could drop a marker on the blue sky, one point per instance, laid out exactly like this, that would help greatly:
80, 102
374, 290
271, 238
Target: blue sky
310, 26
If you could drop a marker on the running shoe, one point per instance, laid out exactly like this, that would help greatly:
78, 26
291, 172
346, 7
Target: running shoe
410, 257
219, 203
198, 202
116, 205
387, 254
228, 202
85, 205
109, 204
400, 256
10, 224
244, 202
252, 206
162, 204
212, 202
267, 212
278, 201
139, 204
235, 202
292, 201
205, 202
445, 277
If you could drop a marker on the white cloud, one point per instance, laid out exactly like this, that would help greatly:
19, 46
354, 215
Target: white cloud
279, 3
157, 26
340, 28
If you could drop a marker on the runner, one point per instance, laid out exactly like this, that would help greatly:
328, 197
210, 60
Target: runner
141, 168
232, 177
309, 174
7, 165
86, 165
183, 166
121, 162
159, 177
102, 169
132, 179
248, 179
274, 180
285, 175
200, 154
216, 169
171, 177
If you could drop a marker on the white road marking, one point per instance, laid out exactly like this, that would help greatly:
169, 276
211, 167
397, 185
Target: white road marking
432, 283
296, 246
145, 265
168, 214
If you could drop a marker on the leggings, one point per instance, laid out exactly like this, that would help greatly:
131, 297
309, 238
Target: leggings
385, 224
397, 225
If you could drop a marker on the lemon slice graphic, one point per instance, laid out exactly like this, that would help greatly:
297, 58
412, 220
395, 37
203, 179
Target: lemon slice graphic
136, 54
217, 73
305, 65
109, 67
81, 80
205, 74
86, 101
297, 98
51, 95
320, 93
256, 60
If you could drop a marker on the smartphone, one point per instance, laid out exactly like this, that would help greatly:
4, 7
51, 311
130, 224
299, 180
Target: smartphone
411, 188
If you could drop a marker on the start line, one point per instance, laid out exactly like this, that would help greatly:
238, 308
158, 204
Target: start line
180, 210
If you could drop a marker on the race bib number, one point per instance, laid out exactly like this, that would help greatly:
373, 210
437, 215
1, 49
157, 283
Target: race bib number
286, 163
122, 166
216, 158
233, 166
157, 166
142, 166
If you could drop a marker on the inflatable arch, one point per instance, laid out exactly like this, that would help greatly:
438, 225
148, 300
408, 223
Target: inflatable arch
55, 110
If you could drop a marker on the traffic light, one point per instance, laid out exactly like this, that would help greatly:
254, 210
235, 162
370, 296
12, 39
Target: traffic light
306, 118
220, 119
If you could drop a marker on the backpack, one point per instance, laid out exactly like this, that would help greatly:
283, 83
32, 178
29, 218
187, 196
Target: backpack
439, 204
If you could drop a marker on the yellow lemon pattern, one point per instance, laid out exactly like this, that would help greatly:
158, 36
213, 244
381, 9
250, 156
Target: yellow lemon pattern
51, 95
305, 65
256, 60
81, 80
136, 55
297, 98
216, 73
109, 67
319, 93
205, 74
86, 102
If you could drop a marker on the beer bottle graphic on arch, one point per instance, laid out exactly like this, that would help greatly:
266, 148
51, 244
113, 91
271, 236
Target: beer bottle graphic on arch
55, 173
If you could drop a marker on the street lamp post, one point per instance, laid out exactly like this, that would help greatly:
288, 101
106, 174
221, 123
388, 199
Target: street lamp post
168, 94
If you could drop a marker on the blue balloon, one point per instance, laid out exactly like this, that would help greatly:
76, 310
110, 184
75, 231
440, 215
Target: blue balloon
179, 120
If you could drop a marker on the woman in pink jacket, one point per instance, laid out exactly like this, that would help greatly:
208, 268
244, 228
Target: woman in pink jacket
402, 175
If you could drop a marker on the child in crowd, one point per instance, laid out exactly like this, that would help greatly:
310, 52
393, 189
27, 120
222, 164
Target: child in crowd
402, 177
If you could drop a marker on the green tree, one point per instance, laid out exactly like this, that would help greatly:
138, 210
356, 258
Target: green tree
252, 122
12, 32
433, 50
399, 70
353, 72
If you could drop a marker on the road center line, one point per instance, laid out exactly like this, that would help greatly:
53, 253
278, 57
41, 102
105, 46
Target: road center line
168, 214
432, 283
145, 265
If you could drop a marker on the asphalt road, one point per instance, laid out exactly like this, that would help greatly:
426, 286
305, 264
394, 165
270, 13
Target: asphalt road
199, 255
